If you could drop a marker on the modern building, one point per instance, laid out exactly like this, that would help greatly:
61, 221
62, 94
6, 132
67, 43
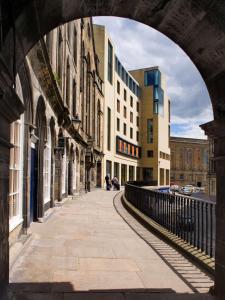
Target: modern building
136, 118
189, 161
154, 125
58, 141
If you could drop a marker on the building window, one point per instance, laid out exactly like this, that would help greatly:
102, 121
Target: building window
131, 173
47, 168
75, 45
68, 85
110, 62
124, 111
118, 106
15, 174
149, 131
124, 129
118, 87
64, 162
131, 101
149, 153
125, 95
147, 174
59, 58
109, 168
74, 99
99, 124
137, 121
137, 136
131, 133
181, 176
131, 117
117, 170
137, 106
118, 124
109, 130
123, 174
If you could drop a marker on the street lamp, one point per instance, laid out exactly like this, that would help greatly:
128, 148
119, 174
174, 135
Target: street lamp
76, 122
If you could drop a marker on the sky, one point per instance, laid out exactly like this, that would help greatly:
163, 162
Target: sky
140, 46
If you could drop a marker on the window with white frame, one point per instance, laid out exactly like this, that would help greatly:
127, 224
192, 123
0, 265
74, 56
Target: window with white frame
16, 174
47, 168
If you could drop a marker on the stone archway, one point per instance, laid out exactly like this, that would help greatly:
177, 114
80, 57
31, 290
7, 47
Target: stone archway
196, 26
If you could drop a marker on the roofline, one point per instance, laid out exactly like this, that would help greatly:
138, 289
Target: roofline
146, 69
185, 139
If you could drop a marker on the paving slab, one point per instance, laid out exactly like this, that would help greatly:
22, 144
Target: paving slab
87, 246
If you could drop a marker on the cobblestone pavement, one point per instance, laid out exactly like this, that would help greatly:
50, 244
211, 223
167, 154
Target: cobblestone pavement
86, 246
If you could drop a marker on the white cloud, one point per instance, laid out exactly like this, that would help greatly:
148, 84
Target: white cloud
139, 46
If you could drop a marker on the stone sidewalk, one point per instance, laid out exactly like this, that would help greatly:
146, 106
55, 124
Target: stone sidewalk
86, 246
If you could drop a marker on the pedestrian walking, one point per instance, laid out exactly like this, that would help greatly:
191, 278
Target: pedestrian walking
107, 180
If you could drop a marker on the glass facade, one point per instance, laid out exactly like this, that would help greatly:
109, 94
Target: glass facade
153, 78
127, 79
126, 148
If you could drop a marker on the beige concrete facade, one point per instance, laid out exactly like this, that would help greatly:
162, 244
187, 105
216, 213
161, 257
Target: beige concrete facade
189, 161
154, 139
120, 114
129, 103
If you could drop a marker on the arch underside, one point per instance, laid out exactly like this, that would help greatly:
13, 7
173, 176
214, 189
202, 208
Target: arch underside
197, 26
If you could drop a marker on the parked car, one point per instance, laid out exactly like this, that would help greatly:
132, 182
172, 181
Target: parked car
174, 188
185, 191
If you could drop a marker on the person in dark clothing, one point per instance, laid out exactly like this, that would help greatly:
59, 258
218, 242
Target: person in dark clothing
107, 180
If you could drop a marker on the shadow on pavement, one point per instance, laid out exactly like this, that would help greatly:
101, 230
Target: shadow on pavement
67, 291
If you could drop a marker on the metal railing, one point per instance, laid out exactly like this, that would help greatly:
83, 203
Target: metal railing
191, 219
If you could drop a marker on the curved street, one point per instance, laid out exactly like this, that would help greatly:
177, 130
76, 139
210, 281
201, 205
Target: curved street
85, 245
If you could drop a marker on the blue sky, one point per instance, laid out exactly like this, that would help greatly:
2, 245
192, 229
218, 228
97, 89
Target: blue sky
139, 46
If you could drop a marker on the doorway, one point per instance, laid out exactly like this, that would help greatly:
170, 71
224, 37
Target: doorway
33, 185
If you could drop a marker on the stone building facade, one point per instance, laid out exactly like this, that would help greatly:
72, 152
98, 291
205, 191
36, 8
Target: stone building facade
211, 175
189, 161
57, 142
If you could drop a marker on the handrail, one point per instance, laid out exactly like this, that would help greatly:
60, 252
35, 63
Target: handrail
189, 218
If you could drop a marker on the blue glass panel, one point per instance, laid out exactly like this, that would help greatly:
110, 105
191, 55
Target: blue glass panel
157, 79
130, 83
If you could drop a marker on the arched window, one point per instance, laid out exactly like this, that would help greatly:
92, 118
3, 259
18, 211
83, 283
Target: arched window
47, 167
68, 84
75, 45
59, 58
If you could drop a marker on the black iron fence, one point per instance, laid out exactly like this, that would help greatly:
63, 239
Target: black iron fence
189, 218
